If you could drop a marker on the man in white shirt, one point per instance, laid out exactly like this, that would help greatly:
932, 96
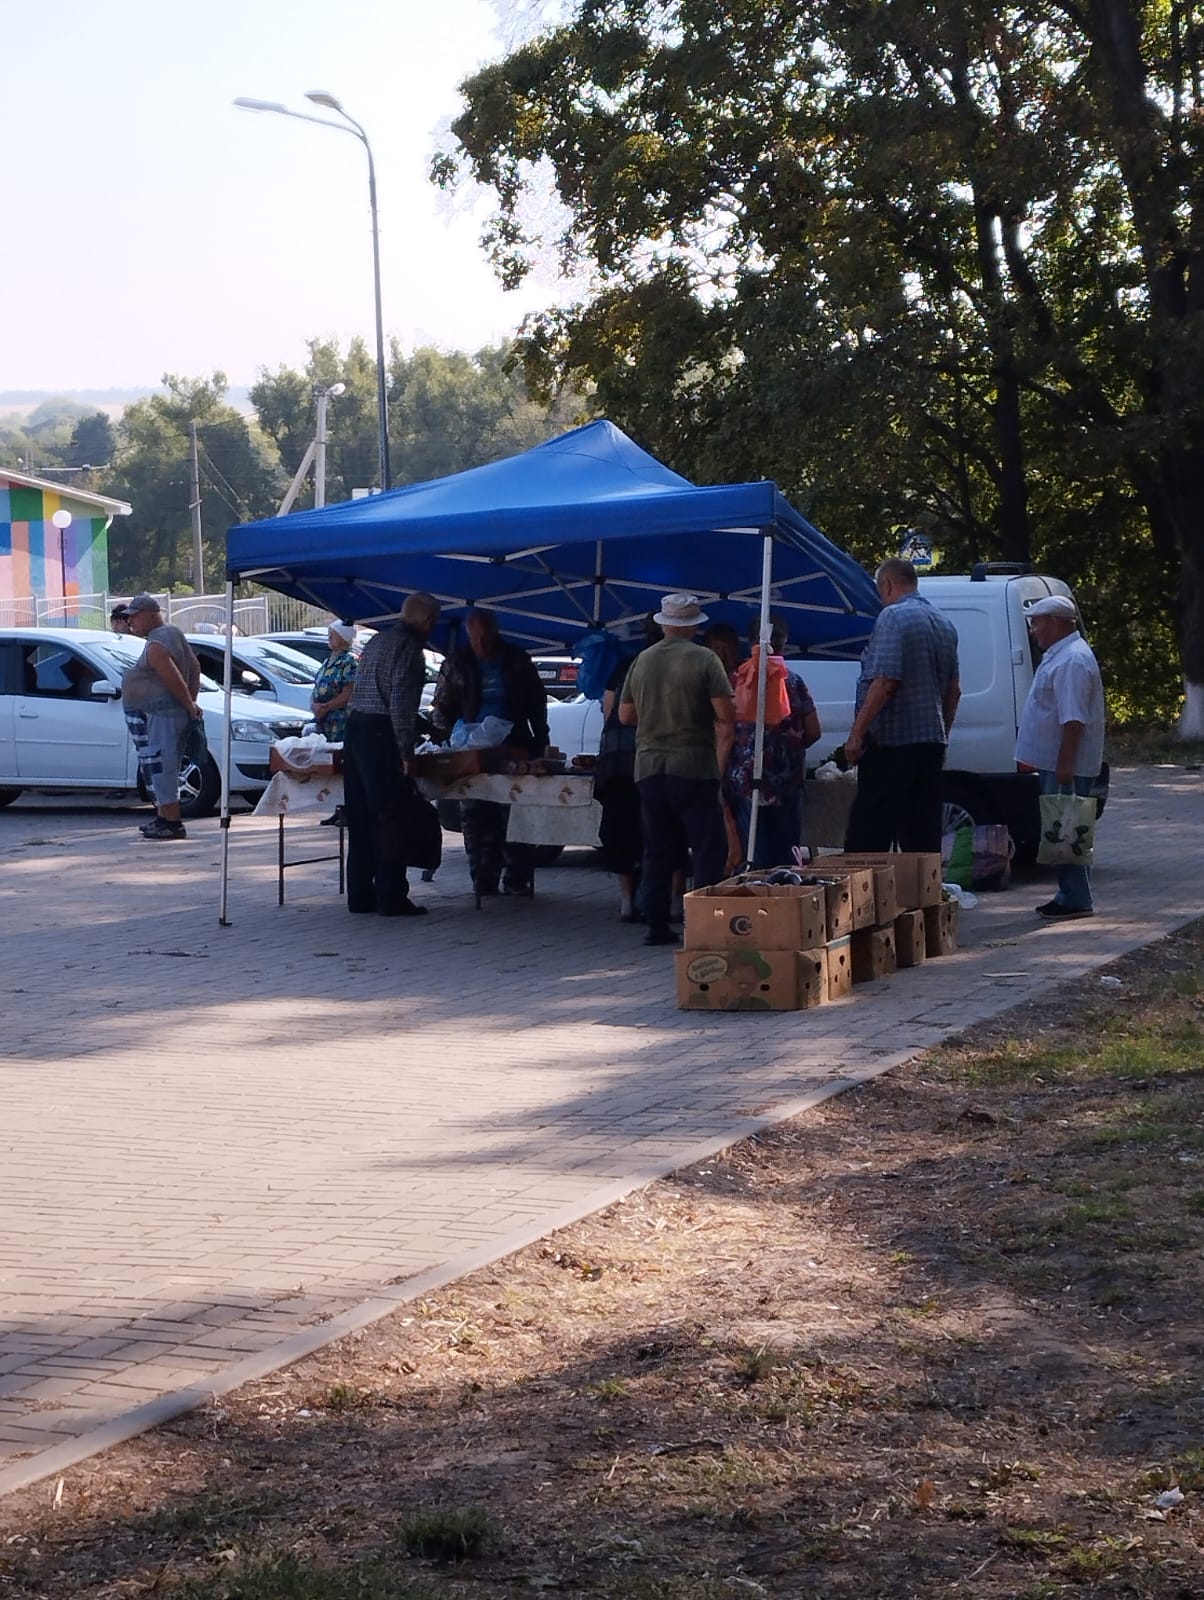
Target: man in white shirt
1062, 730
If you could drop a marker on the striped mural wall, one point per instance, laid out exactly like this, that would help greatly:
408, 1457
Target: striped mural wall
36, 558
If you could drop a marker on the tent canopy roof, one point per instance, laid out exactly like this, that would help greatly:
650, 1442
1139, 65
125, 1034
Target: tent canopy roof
584, 528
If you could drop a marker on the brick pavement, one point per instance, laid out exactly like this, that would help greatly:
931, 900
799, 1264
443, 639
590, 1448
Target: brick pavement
221, 1148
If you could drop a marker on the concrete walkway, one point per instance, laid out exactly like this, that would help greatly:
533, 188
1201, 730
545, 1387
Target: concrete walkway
222, 1148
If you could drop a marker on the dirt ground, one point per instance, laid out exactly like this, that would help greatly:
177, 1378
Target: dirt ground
940, 1337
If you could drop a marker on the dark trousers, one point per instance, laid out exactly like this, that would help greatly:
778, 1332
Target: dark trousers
374, 792
484, 823
675, 812
898, 799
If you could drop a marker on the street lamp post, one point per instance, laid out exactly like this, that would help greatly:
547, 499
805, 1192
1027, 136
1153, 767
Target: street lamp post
322, 97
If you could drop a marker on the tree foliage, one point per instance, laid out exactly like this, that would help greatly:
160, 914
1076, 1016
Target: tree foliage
920, 263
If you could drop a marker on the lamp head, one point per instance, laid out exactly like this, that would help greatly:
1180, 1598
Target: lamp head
62, 519
260, 105
337, 388
323, 97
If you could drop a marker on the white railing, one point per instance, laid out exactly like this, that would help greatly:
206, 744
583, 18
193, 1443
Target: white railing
261, 613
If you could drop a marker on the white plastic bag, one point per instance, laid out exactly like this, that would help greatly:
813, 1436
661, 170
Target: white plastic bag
486, 735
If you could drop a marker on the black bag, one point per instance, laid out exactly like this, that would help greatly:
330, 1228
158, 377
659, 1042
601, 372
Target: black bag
194, 747
421, 832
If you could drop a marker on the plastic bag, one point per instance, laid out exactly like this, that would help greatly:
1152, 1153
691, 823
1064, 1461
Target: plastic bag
991, 867
486, 735
957, 856
777, 699
1067, 830
599, 653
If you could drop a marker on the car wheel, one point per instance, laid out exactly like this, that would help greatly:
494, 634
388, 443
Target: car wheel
7, 796
200, 788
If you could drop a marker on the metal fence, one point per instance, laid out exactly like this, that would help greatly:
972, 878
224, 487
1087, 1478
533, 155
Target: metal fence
260, 613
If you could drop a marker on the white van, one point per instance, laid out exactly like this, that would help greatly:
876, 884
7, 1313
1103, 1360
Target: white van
997, 659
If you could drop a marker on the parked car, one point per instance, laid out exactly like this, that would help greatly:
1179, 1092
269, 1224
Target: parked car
261, 666
314, 643
558, 674
62, 728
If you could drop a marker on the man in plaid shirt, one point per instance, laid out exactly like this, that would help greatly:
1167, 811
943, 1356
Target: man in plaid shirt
907, 697
382, 724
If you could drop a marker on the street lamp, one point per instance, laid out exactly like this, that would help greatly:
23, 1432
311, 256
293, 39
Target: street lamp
62, 520
321, 97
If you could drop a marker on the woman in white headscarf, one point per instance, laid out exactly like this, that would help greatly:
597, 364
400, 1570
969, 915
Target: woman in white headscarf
334, 683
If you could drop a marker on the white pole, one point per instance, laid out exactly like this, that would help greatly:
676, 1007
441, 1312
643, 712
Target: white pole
762, 674
198, 550
320, 452
222, 918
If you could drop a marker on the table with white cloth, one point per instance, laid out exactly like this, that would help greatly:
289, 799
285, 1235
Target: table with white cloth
556, 809
294, 789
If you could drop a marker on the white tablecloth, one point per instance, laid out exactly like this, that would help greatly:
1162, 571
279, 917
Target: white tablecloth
554, 810
296, 791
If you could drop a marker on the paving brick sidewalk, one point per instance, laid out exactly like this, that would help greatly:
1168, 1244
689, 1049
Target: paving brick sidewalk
222, 1146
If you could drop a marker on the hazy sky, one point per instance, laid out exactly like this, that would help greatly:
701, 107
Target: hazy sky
152, 227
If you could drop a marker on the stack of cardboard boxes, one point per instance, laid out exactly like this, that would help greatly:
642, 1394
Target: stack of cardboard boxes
783, 947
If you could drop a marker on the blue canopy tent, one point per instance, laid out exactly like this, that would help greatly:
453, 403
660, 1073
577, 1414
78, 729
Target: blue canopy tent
586, 530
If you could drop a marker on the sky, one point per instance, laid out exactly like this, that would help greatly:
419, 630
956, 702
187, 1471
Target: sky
153, 227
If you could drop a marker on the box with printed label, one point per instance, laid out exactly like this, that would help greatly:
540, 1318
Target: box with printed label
917, 874
745, 980
940, 928
769, 917
910, 939
873, 954
839, 953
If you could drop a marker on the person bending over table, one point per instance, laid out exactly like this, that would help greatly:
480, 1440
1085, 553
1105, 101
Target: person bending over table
490, 677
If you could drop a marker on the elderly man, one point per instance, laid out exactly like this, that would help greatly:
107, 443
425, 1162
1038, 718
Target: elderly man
158, 693
382, 721
490, 677
907, 697
1061, 733
679, 700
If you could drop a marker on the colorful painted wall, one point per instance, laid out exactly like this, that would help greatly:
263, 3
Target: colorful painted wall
49, 563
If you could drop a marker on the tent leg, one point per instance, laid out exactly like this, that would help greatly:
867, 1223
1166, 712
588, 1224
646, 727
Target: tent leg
223, 894
762, 678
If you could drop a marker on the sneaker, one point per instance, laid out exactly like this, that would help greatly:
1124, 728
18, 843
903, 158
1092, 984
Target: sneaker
661, 935
1055, 911
160, 828
519, 888
336, 819
403, 908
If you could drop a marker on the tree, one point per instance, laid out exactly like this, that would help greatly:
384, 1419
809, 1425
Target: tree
93, 440
152, 548
448, 411
915, 261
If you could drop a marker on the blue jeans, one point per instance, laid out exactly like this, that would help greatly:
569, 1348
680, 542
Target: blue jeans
1074, 883
779, 829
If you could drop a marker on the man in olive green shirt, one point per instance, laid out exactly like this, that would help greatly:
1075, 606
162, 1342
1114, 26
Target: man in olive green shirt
679, 700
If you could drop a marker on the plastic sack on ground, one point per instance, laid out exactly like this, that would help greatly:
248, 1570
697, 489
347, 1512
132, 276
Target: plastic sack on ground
957, 855
486, 735
991, 867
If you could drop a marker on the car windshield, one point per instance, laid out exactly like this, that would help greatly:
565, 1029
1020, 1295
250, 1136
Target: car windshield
285, 663
122, 651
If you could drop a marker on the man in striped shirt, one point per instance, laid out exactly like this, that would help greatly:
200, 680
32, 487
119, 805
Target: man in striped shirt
382, 725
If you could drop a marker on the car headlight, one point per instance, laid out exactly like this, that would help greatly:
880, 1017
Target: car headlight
251, 732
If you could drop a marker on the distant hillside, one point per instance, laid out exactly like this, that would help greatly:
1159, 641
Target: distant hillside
17, 403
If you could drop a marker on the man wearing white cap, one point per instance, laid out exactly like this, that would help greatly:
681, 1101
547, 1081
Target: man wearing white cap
679, 700
1062, 730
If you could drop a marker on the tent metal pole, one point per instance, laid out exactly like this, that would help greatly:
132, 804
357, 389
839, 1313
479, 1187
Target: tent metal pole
222, 918
762, 678
597, 583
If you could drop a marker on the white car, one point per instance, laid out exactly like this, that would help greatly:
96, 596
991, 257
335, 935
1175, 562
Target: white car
260, 667
62, 728
575, 726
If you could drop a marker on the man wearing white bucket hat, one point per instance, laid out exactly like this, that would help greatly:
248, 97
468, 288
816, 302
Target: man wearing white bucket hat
679, 700
1062, 730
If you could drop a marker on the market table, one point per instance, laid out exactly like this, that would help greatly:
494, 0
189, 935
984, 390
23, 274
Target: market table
298, 788
554, 809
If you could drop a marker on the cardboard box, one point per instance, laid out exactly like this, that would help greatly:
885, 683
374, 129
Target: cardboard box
839, 954
745, 980
873, 954
454, 764
728, 916
910, 939
861, 892
812, 977
940, 928
917, 875
838, 898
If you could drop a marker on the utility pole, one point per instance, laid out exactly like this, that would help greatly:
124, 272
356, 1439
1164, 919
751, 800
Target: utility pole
198, 554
